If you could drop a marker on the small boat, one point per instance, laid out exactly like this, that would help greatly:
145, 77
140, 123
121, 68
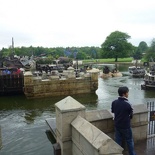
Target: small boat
136, 71
117, 74
149, 79
107, 72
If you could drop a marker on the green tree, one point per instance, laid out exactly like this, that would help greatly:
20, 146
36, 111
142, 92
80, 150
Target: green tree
138, 51
5, 52
142, 47
137, 55
150, 54
81, 55
116, 45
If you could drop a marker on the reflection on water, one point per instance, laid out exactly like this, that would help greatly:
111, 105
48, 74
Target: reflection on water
23, 124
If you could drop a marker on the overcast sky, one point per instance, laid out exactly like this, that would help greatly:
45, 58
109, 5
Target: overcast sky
67, 23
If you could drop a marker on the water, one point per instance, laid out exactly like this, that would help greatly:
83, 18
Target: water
23, 124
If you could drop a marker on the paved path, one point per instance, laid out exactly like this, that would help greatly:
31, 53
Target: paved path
144, 147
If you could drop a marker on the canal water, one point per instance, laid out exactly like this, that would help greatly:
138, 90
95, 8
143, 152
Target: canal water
22, 121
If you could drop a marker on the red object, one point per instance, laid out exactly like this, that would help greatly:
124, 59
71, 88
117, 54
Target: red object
18, 71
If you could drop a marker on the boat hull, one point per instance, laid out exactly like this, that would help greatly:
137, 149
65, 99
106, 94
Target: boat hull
149, 81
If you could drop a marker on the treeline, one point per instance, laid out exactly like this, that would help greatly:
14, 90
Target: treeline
71, 52
115, 46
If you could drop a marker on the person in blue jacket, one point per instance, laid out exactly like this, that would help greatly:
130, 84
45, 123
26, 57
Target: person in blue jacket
6, 71
123, 113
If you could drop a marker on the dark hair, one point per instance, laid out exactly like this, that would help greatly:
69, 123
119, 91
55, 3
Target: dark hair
123, 90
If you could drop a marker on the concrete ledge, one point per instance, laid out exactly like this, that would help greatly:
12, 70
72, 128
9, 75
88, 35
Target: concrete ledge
96, 115
140, 108
88, 138
51, 122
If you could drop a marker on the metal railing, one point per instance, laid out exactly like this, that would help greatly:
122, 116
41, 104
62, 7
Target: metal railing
11, 83
151, 116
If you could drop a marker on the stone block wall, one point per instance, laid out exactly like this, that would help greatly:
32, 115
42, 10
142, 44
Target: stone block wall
103, 120
81, 132
35, 87
70, 117
140, 122
89, 140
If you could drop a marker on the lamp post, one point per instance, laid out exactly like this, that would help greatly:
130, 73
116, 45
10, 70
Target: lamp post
77, 63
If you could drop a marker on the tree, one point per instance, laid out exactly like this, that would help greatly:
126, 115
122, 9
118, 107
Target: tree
137, 55
116, 45
142, 47
150, 53
81, 55
138, 52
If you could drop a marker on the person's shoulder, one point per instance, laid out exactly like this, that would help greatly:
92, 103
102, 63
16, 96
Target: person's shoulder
127, 101
128, 104
114, 101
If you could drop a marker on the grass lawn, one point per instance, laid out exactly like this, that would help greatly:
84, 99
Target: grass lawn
108, 60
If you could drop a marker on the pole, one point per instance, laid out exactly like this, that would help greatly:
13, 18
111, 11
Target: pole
77, 63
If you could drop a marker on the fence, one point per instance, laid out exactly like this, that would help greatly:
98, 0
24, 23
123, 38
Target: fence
11, 83
151, 113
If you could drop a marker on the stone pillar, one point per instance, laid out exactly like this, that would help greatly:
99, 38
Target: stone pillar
0, 138
94, 76
28, 84
94, 79
66, 111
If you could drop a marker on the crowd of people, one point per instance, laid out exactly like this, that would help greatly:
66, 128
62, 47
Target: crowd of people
10, 71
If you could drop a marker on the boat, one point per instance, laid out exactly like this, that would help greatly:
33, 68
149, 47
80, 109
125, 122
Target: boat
149, 79
137, 71
107, 72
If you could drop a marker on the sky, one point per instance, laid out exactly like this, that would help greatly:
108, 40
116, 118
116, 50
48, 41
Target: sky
78, 23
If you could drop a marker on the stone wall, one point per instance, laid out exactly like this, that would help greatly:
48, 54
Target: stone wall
35, 87
140, 122
74, 133
81, 132
103, 120
89, 140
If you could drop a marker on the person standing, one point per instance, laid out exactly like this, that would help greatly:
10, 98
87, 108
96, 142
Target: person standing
123, 113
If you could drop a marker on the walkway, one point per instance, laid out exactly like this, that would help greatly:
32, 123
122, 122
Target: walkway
145, 147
